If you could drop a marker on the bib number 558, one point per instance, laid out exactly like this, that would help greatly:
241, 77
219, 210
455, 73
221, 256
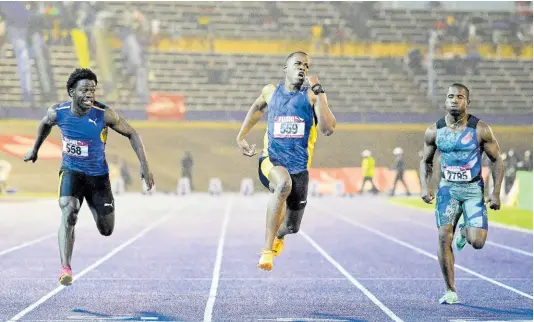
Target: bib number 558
72, 149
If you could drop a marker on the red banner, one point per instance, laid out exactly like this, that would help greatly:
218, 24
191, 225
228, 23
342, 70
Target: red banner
166, 106
18, 145
352, 179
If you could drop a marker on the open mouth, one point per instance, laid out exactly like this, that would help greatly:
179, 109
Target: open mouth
87, 102
301, 75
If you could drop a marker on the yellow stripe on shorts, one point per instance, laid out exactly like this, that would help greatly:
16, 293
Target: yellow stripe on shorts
266, 166
59, 185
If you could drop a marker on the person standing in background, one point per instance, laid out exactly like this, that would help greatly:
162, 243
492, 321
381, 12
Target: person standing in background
399, 167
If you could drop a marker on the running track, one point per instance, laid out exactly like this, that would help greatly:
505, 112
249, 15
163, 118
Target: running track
194, 258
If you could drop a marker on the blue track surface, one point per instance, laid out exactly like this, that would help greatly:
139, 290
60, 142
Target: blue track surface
359, 259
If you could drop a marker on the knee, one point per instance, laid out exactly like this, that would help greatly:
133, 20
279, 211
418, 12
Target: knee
106, 223
284, 187
105, 231
293, 229
445, 237
70, 209
477, 244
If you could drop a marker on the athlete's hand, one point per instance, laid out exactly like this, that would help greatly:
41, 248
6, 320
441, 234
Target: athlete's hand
31, 155
494, 202
148, 177
312, 80
248, 150
427, 196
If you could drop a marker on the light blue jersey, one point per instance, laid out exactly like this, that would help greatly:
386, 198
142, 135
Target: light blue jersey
461, 189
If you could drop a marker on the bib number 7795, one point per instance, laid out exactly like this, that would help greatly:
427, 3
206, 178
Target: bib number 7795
458, 176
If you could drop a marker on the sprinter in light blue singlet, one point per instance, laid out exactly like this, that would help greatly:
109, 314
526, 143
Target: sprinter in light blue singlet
295, 111
84, 123
461, 139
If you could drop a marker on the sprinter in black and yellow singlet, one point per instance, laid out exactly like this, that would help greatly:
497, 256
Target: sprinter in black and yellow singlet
295, 108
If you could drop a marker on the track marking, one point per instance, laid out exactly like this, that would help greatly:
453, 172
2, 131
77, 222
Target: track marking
266, 279
208, 311
423, 252
43, 299
26, 244
491, 223
342, 270
510, 248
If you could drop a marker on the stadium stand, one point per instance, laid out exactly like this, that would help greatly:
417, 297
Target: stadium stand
216, 81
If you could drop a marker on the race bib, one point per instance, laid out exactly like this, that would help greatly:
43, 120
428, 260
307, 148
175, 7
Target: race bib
288, 127
74, 148
457, 174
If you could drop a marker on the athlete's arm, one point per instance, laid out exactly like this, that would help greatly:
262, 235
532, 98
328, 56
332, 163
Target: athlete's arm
325, 117
253, 116
492, 149
119, 125
45, 127
427, 163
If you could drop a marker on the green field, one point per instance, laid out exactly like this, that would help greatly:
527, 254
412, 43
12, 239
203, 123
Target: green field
506, 216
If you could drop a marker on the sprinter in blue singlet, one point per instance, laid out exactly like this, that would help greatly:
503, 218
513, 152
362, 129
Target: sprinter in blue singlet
461, 139
84, 123
295, 110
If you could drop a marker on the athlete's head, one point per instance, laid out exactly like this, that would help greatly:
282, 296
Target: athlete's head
296, 67
81, 87
457, 99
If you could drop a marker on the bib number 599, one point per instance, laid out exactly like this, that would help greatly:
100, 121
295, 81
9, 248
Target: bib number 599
288, 128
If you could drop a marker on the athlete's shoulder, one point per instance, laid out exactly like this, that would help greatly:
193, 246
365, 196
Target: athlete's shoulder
268, 89
441, 123
473, 121
62, 105
481, 126
433, 127
100, 106
431, 133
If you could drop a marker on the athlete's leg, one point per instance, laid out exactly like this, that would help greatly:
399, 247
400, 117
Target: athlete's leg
70, 200
70, 206
278, 181
100, 200
296, 202
291, 223
280, 184
475, 229
447, 213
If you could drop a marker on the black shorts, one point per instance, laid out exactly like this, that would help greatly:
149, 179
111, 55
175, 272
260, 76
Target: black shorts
95, 189
298, 196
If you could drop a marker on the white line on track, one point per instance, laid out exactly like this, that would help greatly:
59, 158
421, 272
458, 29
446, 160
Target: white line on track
423, 252
343, 271
510, 248
265, 279
208, 311
43, 299
491, 223
26, 244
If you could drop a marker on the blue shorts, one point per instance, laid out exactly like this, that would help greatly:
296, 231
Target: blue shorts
453, 199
